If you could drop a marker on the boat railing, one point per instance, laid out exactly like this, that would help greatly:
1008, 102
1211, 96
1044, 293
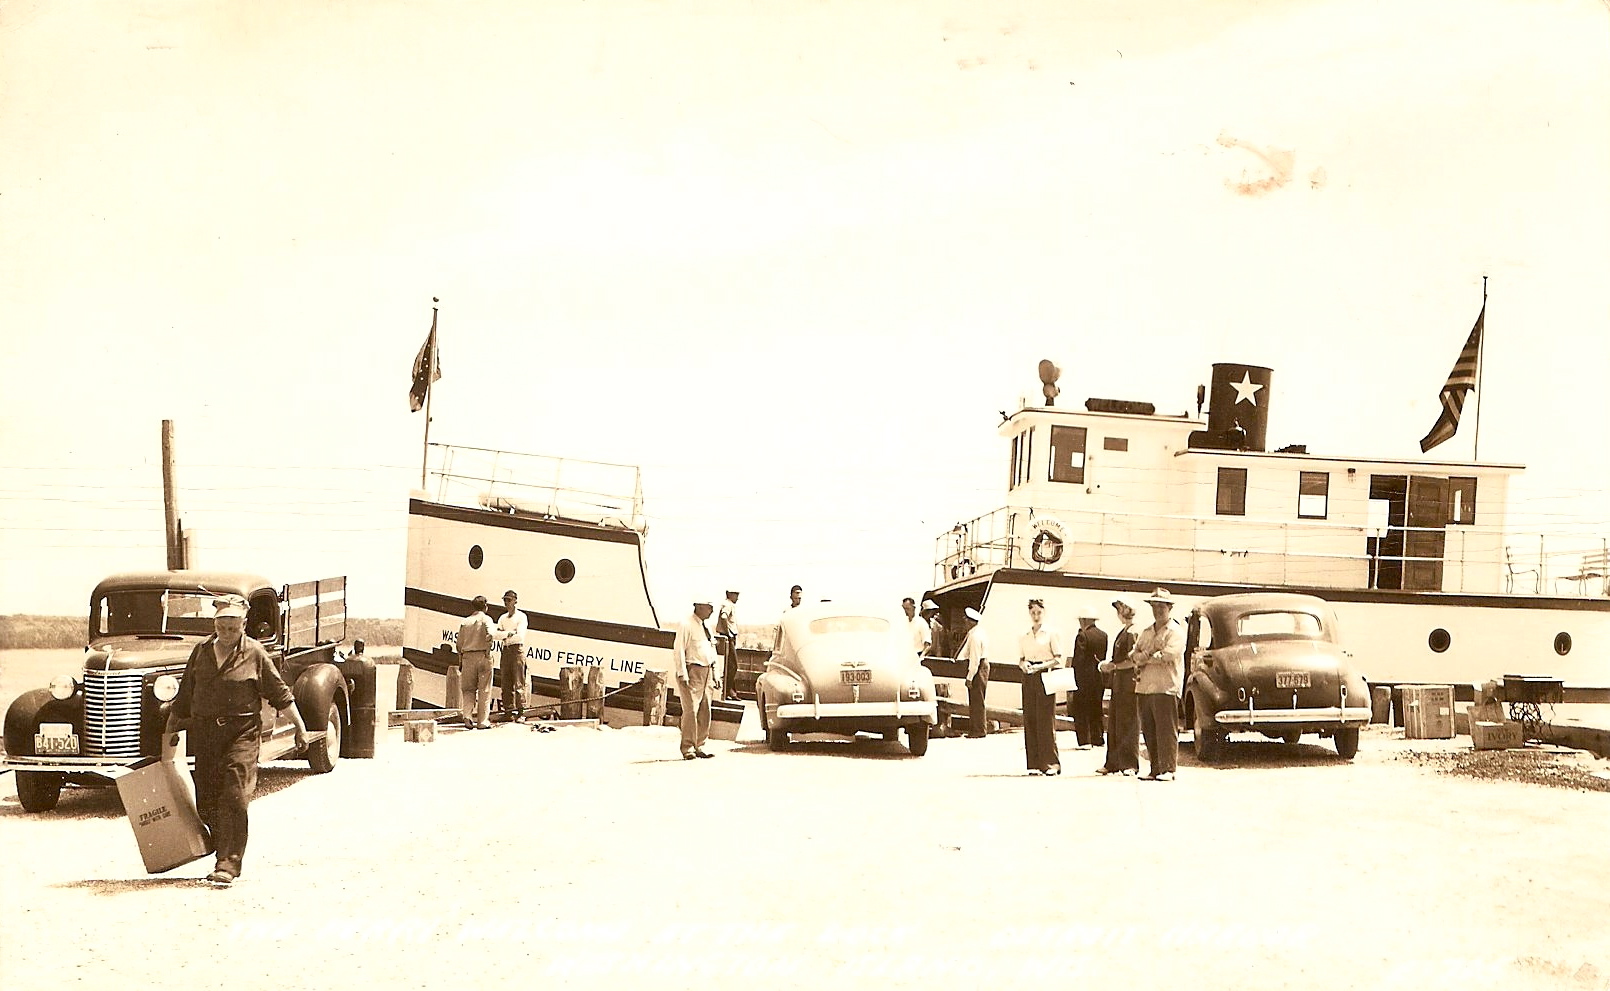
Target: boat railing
553, 487
1470, 559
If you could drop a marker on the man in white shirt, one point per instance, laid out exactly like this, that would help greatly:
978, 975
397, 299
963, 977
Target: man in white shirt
695, 655
511, 664
921, 635
975, 653
727, 635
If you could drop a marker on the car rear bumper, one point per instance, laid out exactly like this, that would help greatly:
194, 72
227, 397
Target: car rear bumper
1332, 715
924, 709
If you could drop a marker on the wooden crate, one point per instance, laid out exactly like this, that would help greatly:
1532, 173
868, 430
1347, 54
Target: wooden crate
1428, 712
1496, 736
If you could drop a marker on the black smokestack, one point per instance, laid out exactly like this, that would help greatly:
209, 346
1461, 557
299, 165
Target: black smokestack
1238, 409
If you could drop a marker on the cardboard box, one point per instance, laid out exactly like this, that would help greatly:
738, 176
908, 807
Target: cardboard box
1428, 712
1496, 736
162, 811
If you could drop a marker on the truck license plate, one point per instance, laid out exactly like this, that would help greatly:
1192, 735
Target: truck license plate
1291, 679
856, 676
56, 740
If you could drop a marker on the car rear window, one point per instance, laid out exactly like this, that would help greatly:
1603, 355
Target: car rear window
1297, 625
849, 624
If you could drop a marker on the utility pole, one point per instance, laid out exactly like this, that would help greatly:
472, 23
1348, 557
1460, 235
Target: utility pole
170, 502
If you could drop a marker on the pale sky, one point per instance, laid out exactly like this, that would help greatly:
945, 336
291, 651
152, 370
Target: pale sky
791, 258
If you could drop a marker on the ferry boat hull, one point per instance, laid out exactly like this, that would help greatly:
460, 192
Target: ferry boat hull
581, 585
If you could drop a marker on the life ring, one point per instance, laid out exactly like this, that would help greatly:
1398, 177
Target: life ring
1049, 542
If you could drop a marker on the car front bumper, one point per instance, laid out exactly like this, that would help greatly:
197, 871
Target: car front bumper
1331, 715
924, 709
110, 768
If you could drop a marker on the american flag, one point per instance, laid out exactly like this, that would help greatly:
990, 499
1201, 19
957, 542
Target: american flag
1459, 385
427, 369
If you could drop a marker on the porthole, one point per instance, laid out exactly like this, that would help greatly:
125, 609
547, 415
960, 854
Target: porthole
1439, 640
1562, 643
565, 570
477, 556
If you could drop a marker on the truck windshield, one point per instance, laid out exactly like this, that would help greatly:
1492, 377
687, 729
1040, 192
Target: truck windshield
154, 611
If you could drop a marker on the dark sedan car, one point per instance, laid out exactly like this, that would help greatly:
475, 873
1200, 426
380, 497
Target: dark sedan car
839, 670
1271, 663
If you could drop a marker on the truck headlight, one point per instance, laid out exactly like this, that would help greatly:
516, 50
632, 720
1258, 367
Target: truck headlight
165, 688
62, 686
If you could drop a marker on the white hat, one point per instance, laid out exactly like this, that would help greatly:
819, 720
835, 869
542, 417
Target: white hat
973, 614
1087, 610
928, 604
229, 605
1161, 595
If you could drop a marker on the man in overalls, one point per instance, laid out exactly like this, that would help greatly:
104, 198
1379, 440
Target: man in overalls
221, 696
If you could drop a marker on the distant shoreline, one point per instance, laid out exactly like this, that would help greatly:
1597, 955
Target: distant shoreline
29, 632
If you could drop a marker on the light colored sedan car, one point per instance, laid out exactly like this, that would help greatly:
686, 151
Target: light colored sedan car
1271, 663
842, 670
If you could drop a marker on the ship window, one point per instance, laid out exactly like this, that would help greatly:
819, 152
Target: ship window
1115, 443
477, 556
1439, 640
1068, 454
1313, 495
1232, 500
1462, 501
1022, 457
565, 570
1562, 644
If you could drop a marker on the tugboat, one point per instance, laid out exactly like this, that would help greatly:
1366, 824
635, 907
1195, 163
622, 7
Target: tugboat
1117, 499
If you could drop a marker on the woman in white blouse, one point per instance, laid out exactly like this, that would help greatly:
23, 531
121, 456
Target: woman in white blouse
1040, 649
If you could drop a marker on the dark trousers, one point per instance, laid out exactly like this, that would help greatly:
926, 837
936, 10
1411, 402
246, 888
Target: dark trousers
225, 777
1084, 705
1159, 725
511, 671
728, 646
977, 714
1039, 725
1123, 724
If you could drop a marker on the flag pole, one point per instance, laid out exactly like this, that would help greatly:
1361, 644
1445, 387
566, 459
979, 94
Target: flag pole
1481, 344
430, 355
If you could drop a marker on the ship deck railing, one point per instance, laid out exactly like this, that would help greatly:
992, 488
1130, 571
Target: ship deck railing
595, 492
1250, 551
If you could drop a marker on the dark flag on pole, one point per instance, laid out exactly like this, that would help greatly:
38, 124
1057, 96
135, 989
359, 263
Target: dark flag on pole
1460, 382
427, 369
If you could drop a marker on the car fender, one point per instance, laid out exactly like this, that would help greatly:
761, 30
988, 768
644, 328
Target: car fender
314, 690
37, 706
1205, 693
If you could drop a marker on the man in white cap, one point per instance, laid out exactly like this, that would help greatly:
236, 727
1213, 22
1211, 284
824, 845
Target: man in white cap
938, 637
1123, 723
1159, 657
975, 654
695, 655
221, 694
1084, 702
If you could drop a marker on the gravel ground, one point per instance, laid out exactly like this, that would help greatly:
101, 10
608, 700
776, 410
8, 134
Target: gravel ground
597, 858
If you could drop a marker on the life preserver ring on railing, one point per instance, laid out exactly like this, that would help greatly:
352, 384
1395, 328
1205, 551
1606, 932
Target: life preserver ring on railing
1049, 541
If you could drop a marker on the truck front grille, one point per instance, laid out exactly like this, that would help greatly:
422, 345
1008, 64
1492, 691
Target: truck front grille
112, 713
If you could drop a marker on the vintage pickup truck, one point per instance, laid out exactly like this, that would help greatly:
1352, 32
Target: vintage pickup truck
92, 725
